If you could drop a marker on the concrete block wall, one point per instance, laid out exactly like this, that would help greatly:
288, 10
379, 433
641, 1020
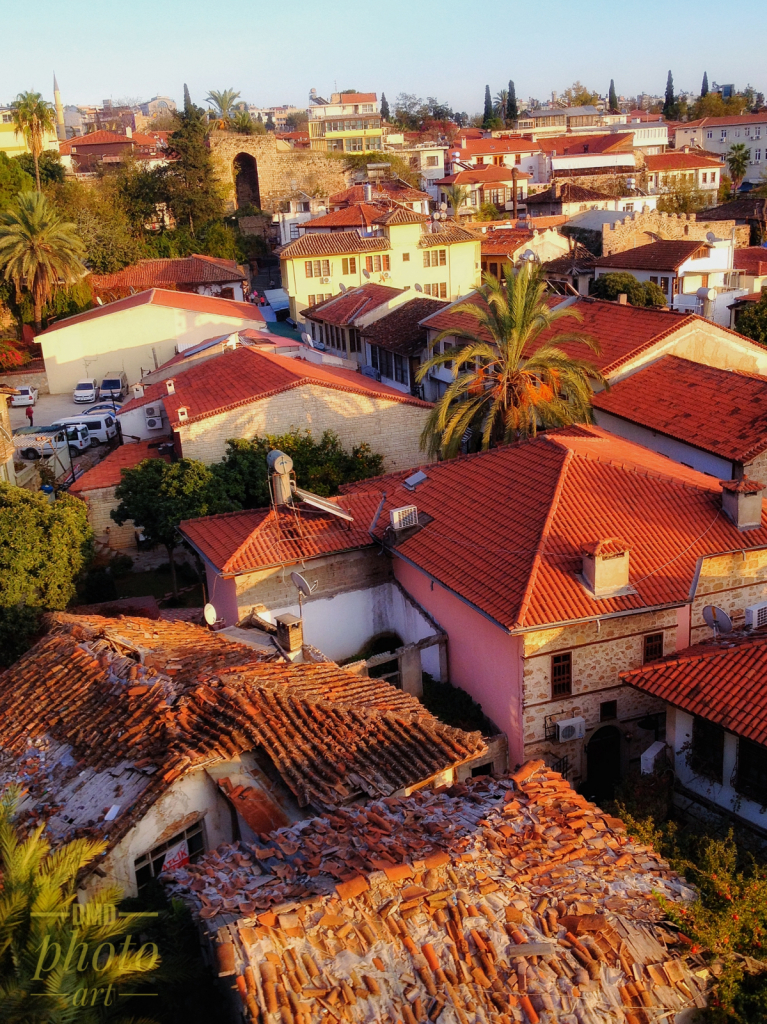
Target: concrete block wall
390, 428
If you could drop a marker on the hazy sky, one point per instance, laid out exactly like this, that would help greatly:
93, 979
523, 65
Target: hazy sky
276, 53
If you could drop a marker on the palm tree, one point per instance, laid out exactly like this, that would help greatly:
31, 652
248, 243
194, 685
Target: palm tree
37, 917
242, 122
34, 118
738, 158
502, 103
39, 250
223, 103
457, 195
504, 383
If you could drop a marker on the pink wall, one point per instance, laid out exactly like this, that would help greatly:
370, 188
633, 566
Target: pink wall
222, 594
483, 659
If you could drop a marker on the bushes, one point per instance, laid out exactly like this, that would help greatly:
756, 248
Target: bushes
639, 293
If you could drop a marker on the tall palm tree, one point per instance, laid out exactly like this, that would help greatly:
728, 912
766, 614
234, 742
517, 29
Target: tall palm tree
457, 196
34, 118
738, 157
504, 382
36, 917
223, 104
39, 250
502, 103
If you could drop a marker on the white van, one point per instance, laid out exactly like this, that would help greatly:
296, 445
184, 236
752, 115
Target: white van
114, 384
101, 426
35, 442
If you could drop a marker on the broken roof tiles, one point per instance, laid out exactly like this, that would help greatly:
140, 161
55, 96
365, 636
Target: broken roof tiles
496, 901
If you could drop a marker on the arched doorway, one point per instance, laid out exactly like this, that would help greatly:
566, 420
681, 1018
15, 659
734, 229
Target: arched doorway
246, 181
603, 763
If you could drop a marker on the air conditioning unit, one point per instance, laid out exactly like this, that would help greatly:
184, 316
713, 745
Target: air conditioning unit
756, 615
153, 423
324, 280
402, 518
570, 729
153, 412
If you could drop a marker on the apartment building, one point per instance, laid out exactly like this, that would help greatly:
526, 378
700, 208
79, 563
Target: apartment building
718, 134
349, 123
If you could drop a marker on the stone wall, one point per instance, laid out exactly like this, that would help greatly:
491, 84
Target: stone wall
100, 502
390, 428
34, 378
651, 226
731, 582
280, 174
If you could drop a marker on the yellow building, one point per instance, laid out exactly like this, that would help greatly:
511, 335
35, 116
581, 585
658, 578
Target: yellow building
350, 123
399, 253
14, 145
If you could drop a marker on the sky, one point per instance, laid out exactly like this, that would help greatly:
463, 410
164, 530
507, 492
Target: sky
275, 54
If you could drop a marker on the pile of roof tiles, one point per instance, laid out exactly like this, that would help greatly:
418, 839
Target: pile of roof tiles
495, 901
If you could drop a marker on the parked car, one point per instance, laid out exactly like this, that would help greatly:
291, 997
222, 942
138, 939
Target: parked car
35, 442
101, 427
86, 390
111, 406
27, 395
114, 384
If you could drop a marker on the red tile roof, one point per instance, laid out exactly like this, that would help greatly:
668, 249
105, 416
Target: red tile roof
246, 375
242, 542
395, 189
723, 681
567, 192
680, 161
505, 241
190, 301
718, 411
107, 138
361, 215
355, 97
664, 255
400, 330
715, 122
347, 307
166, 273
108, 472
575, 145
508, 525
480, 175
622, 331
450, 235
333, 243
494, 147
752, 259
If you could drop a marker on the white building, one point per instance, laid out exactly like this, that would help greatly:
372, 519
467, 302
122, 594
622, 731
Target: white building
719, 134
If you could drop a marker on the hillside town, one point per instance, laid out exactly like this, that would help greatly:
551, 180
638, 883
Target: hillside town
383, 550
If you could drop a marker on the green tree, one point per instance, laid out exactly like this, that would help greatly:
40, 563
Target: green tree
158, 495
681, 197
501, 104
457, 195
488, 211
34, 118
269, 123
321, 466
704, 85
511, 109
137, 192
296, 123
49, 164
752, 322
738, 157
579, 96
384, 107
13, 179
38, 249
669, 103
488, 112
194, 194
612, 98
638, 293
243, 123
223, 105
40, 889
724, 192
505, 382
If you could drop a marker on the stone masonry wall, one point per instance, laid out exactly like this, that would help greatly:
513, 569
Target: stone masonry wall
34, 378
731, 582
280, 174
390, 428
100, 502
651, 226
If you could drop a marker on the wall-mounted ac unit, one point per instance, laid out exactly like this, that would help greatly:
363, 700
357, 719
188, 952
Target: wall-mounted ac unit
153, 423
153, 412
402, 518
756, 615
570, 729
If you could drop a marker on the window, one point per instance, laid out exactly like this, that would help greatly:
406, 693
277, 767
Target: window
608, 710
561, 674
355, 342
186, 845
752, 771
293, 231
435, 257
304, 207
311, 299
432, 161
747, 132
737, 133
382, 360
349, 266
653, 280
354, 145
704, 178
706, 749
757, 132
757, 156
438, 291
317, 268
629, 208
375, 264
664, 285
709, 135
724, 133
494, 269
517, 159
653, 647
405, 257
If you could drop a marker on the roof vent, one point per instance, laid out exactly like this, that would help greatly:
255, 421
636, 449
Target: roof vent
742, 502
403, 518
413, 481
606, 567
183, 414
170, 384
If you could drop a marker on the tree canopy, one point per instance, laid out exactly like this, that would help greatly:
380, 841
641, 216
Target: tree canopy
752, 322
193, 192
511, 108
612, 97
384, 107
579, 96
34, 118
13, 179
704, 85
669, 103
638, 293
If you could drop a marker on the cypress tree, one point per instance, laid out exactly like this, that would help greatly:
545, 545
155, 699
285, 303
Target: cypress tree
511, 104
489, 114
194, 194
669, 103
384, 107
187, 100
612, 98
704, 87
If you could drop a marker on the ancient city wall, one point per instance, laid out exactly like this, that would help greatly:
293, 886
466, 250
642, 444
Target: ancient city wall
651, 226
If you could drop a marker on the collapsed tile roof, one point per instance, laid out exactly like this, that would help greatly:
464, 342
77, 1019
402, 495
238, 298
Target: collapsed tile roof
719, 411
145, 702
721, 680
496, 901
567, 192
579, 257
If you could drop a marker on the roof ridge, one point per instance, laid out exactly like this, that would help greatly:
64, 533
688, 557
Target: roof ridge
717, 652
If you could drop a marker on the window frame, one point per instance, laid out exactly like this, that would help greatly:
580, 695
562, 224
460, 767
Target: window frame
157, 854
706, 753
651, 640
562, 674
751, 788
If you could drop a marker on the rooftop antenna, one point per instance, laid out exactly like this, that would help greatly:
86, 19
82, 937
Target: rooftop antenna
717, 619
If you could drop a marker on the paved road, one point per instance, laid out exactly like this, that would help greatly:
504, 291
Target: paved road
49, 409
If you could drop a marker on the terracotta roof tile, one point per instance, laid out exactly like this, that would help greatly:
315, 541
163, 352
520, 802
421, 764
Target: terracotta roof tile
716, 410
479, 175
398, 190
108, 472
664, 255
450, 235
579, 256
400, 331
361, 215
167, 273
334, 243
680, 161
482, 147
576, 145
752, 259
348, 306
401, 215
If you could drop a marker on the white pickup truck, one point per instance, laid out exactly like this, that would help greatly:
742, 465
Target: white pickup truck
37, 442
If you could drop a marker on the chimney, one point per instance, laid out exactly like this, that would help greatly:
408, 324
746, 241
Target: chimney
742, 502
623, 299
290, 632
138, 390
128, 131
170, 384
279, 466
183, 414
606, 567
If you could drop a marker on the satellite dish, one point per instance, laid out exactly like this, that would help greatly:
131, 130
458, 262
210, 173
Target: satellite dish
366, 272
528, 254
717, 619
710, 236
418, 288
210, 614
300, 582
342, 288
443, 206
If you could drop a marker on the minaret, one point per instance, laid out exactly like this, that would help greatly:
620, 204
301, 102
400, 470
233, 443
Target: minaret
61, 130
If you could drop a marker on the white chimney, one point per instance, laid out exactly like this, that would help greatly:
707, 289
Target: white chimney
129, 131
183, 414
606, 566
170, 384
742, 502
138, 390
